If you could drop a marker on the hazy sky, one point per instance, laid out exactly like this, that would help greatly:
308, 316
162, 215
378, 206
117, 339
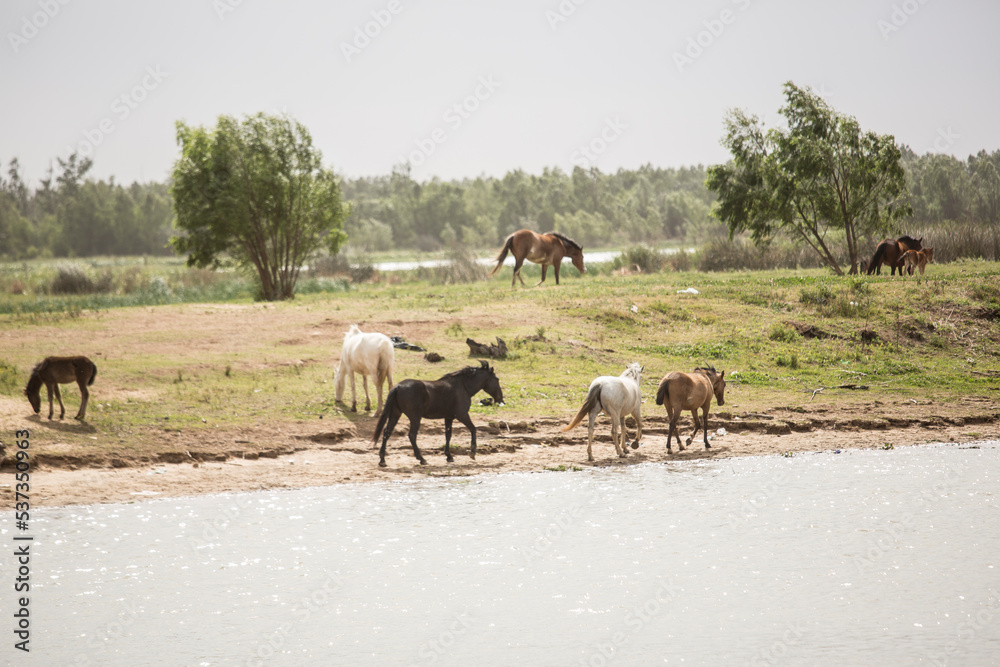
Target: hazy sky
535, 81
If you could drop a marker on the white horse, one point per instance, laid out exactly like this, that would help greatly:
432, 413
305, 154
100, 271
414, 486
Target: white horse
618, 397
368, 354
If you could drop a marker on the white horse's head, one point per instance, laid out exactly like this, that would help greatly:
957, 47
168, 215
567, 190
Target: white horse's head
634, 371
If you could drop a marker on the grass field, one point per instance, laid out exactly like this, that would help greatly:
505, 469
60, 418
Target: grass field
207, 370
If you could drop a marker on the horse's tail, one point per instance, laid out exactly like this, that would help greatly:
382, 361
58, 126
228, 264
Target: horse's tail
593, 400
390, 402
878, 258
339, 378
508, 244
93, 373
663, 393
384, 369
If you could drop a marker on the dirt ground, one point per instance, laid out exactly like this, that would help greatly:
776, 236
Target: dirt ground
307, 454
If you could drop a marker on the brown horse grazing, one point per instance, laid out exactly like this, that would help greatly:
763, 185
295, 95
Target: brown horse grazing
545, 249
54, 371
891, 252
690, 391
918, 258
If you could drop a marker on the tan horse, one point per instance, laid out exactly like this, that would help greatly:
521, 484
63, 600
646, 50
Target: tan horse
54, 371
618, 397
545, 249
918, 258
690, 391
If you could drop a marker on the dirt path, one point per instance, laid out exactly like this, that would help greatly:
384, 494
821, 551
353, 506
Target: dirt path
305, 455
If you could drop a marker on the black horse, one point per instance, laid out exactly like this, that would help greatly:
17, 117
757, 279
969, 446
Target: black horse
448, 398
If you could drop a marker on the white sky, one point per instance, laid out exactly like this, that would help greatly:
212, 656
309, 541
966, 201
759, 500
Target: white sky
934, 79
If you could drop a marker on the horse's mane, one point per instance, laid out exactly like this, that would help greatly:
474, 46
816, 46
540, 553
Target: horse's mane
911, 243
35, 381
468, 370
353, 330
709, 368
567, 241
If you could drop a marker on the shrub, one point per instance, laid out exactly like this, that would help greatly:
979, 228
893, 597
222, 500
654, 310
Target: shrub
9, 378
72, 280
783, 333
641, 258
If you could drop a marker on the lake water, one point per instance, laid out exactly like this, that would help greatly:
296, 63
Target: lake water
858, 558
591, 258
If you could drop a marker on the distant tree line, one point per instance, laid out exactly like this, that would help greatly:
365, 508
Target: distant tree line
71, 215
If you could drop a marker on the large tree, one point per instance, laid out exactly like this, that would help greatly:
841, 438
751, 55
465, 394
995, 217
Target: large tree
821, 179
255, 193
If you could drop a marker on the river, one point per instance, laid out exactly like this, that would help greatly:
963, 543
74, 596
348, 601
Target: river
852, 558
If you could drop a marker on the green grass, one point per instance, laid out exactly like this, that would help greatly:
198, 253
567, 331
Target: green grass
190, 365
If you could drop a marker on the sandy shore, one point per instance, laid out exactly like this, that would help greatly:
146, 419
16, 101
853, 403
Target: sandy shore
503, 447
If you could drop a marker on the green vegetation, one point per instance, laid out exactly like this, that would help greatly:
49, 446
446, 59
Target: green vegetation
822, 174
254, 194
214, 368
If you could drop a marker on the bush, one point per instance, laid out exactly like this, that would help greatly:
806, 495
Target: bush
783, 333
9, 378
741, 255
640, 258
461, 267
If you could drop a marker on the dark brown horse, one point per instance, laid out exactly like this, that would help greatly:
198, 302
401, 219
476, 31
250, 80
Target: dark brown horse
545, 249
54, 371
448, 398
891, 252
690, 391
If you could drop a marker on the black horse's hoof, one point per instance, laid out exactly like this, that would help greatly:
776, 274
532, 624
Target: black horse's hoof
354, 408
423, 462
451, 459
708, 446
381, 464
472, 456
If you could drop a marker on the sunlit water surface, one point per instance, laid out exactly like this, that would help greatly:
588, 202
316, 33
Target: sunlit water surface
858, 558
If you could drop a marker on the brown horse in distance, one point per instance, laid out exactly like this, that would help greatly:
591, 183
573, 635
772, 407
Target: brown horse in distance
545, 249
690, 391
54, 371
891, 252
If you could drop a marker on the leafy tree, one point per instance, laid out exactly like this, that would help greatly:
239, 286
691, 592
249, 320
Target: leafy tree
255, 192
821, 179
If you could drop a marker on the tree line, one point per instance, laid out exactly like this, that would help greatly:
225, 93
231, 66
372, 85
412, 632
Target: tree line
70, 214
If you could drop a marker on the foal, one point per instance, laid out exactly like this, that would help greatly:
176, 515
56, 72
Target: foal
54, 371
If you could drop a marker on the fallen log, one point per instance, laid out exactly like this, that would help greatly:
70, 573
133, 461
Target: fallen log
498, 351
